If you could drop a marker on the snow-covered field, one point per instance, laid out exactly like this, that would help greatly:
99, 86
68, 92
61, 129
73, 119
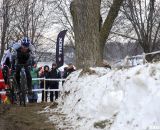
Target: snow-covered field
126, 99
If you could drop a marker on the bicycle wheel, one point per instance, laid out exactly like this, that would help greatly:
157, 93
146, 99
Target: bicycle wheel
15, 89
11, 90
23, 88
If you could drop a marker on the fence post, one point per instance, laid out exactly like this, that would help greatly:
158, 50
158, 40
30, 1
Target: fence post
132, 59
44, 90
144, 58
126, 61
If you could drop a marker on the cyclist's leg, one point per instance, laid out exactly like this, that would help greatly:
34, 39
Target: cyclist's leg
14, 86
29, 79
18, 69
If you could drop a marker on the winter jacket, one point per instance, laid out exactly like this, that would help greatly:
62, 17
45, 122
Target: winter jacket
2, 84
34, 74
45, 74
67, 72
54, 74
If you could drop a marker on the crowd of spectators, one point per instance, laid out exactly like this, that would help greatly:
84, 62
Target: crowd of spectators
48, 73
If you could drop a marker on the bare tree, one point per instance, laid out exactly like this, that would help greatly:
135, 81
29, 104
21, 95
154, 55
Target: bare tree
29, 19
145, 20
63, 19
4, 23
25, 18
6, 13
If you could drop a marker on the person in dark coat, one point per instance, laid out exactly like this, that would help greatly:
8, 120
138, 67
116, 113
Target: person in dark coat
70, 69
54, 74
45, 74
67, 71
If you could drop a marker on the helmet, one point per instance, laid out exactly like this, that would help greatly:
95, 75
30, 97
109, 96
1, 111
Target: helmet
54, 64
25, 42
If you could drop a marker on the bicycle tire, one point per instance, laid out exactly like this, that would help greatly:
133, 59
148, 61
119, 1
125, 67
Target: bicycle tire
15, 90
23, 86
11, 90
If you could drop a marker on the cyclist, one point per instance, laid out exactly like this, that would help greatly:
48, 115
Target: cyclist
6, 65
6, 69
23, 54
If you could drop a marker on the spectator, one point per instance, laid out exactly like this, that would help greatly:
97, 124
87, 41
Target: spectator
54, 74
70, 69
67, 71
64, 74
2, 84
44, 74
35, 84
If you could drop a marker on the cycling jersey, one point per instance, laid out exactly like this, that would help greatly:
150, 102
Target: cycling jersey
20, 56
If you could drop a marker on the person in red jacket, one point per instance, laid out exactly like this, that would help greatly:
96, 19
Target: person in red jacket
2, 84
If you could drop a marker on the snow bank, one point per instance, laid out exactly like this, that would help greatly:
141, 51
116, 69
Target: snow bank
126, 99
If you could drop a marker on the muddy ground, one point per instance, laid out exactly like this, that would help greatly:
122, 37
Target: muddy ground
14, 117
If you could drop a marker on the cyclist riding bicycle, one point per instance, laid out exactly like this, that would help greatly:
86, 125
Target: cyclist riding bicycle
23, 54
6, 65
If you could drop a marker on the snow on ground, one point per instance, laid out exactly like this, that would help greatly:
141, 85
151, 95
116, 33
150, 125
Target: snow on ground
126, 99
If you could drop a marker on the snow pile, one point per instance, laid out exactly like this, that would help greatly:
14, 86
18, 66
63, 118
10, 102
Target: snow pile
126, 99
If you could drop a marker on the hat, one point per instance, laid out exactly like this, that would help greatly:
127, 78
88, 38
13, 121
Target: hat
46, 66
54, 64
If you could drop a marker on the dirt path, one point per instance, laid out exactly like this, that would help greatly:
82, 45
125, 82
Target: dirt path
15, 117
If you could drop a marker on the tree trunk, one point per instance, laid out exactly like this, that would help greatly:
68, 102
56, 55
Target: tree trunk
108, 23
86, 14
5, 25
90, 37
